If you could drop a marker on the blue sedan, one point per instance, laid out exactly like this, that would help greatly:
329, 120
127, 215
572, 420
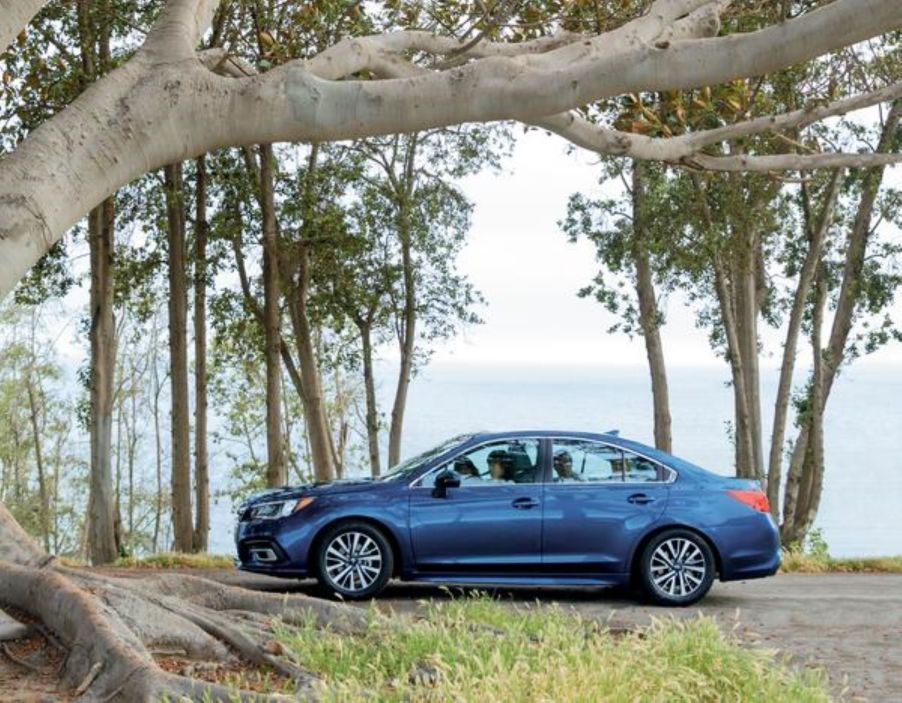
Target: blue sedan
519, 508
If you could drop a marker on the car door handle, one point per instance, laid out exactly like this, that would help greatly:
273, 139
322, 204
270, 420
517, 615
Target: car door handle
640, 499
524, 503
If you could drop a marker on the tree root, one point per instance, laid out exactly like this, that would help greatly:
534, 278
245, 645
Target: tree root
110, 626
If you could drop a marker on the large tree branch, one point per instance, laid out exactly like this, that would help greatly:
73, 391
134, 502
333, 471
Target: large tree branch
165, 105
14, 17
179, 29
687, 148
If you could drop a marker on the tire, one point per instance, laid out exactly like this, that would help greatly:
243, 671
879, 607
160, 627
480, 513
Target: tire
354, 562
677, 568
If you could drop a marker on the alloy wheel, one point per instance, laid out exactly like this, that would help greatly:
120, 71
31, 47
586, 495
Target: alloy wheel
678, 567
353, 561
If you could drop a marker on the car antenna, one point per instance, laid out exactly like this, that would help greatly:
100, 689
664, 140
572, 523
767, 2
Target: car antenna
615, 433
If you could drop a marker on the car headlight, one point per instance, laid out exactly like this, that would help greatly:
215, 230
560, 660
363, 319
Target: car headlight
278, 509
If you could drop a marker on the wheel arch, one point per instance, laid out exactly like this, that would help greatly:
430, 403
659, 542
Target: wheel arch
635, 567
387, 532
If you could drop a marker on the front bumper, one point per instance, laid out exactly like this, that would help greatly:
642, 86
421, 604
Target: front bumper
273, 547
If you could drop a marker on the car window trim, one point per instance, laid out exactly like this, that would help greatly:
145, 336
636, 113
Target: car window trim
673, 474
476, 447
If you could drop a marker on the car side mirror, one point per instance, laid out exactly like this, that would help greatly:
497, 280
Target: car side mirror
445, 480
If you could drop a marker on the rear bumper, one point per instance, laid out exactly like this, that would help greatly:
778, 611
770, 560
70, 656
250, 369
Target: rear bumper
749, 548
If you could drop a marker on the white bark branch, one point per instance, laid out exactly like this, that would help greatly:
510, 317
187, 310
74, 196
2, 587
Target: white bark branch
14, 17
165, 105
179, 29
686, 148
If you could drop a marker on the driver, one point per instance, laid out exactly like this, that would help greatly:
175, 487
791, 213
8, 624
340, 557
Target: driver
467, 469
501, 466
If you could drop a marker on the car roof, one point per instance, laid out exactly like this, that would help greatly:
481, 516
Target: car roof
613, 438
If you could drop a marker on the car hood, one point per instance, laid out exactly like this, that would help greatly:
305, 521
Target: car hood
313, 489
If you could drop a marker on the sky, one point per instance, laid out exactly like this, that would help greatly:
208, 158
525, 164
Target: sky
530, 274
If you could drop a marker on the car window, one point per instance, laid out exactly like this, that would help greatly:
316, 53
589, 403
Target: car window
506, 461
585, 461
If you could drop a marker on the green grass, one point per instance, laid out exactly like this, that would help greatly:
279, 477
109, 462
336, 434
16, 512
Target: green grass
795, 561
169, 560
479, 650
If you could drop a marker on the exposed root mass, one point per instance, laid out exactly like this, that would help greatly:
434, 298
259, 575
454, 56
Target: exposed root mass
166, 635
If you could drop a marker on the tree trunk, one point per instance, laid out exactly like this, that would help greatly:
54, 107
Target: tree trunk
742, 429
408, 325
277, 466
309, 379
39, 459
746, 306
817, 237
158, 437
182, 523
102, 546
800, 509
372, 408
649, 319
317, 425
201, 461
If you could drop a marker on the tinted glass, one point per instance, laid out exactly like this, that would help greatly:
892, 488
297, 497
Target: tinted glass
584, 461
507, 461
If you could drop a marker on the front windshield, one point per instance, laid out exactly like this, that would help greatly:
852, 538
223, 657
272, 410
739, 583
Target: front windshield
409, 467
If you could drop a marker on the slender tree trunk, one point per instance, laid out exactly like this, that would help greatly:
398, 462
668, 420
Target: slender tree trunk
183, 528
817, 237
158, 439
813, 478
742, 429
649, 319
201, 462
39, 459
408, 325
317, 425
102, 547
309, 379
372, 409
800, 508
277, 466
745, 289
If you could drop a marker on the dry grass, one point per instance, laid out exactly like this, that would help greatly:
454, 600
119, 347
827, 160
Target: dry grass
478, 650
169, 560
799, 562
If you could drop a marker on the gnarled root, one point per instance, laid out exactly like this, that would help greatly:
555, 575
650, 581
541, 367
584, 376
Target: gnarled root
112, 627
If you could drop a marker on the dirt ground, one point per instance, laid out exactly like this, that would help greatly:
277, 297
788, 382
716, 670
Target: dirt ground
848, 623
851, 624
29, 667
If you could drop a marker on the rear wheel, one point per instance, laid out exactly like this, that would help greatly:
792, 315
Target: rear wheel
677, 568
355, 561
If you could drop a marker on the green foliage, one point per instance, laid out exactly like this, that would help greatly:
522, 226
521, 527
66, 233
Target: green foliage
477, 649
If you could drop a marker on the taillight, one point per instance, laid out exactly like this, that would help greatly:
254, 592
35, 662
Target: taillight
756, 500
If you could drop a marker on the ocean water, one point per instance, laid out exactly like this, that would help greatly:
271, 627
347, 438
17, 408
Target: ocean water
861, 508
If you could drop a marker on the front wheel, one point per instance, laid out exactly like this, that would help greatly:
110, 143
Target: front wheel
677, 568
355, 561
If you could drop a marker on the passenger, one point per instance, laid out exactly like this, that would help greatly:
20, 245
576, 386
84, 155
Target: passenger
467, 469
501, 466
563, 467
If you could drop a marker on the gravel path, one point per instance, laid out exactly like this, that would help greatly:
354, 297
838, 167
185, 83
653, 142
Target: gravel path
849, 623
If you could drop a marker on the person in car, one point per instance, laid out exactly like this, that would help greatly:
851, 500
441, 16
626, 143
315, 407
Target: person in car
501, 466
563, 467
467, 469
